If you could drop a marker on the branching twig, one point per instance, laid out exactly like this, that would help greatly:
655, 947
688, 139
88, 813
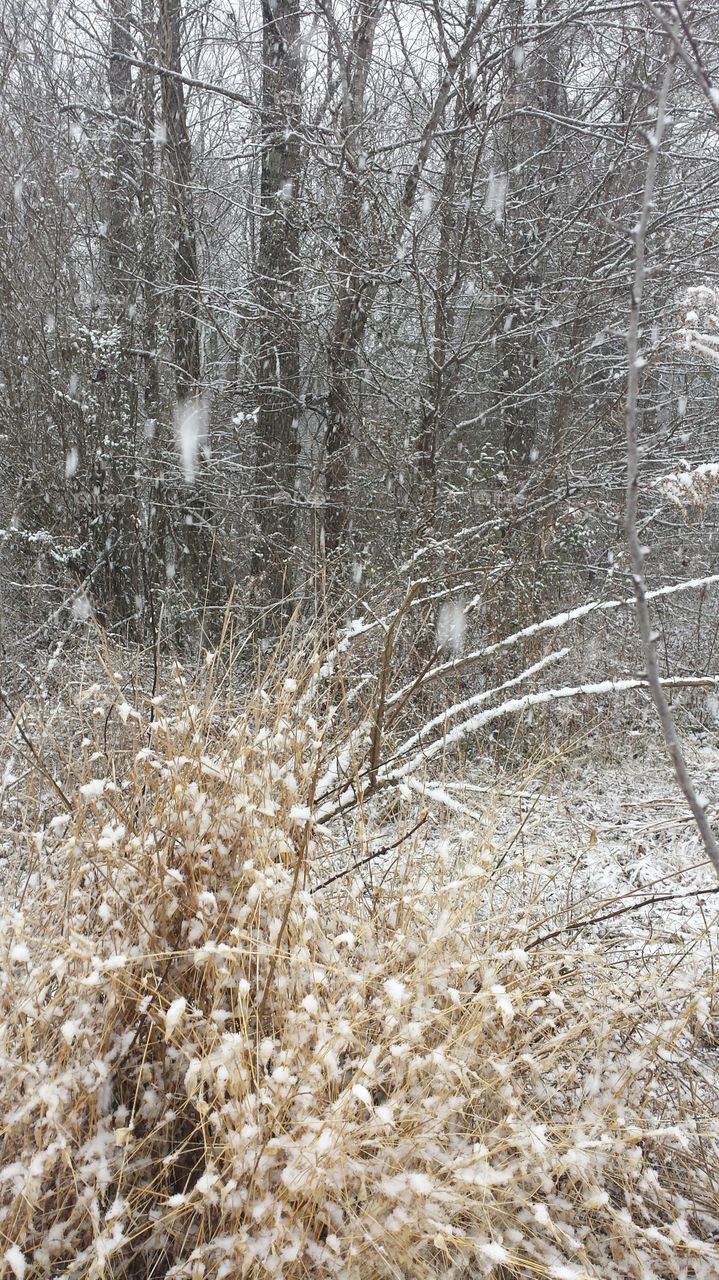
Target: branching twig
636, 551
35, 754
378, 725
576, 925
376, 853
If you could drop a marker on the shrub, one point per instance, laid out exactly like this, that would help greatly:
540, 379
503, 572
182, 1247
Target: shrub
212, 1064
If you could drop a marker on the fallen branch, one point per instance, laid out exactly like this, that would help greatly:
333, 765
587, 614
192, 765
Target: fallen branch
543, 696
387, 776
554, 623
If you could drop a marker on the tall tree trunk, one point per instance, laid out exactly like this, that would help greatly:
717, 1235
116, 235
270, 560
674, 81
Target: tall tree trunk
186, 332
122, 180
149, 214
121, 585
193, 527
352, 312
156, 442
360, 280
442, 367
515, 330
534, 148
278, 353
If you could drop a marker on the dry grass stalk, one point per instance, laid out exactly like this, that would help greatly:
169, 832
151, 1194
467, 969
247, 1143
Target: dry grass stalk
209, 1071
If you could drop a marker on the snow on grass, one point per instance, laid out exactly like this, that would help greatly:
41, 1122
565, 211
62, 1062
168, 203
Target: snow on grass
212, 1066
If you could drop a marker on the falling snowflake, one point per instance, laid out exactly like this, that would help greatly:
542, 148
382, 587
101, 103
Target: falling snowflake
191, 438
451, 628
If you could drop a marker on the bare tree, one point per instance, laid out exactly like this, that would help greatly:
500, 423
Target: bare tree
379, 251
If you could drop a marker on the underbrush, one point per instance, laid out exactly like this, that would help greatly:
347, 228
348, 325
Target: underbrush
224, 1053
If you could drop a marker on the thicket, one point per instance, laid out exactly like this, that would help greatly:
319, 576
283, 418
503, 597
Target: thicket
246, 1032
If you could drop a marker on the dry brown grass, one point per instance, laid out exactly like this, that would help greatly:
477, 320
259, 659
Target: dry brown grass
208, 1069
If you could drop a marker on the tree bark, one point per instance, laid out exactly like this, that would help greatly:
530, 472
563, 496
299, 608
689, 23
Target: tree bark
278, 274
178, 149
441, 366
120, 584
193, 527
359, 285
351, 313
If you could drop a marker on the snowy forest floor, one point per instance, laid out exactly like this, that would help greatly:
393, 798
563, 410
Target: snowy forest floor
609, 841
462, 1030
600, 832
595, 835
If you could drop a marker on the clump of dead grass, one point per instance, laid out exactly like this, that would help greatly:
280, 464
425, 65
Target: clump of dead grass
210, 1069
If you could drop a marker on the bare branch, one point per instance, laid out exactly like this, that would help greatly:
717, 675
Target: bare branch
636, 551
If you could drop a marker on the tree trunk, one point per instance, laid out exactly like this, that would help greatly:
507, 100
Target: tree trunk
193, 528
157, 445
278, 353
360, 279
352, 271
448, 278
179, 156
121, 584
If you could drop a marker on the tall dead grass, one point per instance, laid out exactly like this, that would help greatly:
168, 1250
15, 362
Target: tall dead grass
212, 1067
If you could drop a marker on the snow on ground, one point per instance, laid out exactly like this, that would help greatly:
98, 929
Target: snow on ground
595, 836
605, 835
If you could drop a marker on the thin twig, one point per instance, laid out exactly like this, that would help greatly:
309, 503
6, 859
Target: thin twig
42, 767
376, 853
576, 925
378, 726
637, 552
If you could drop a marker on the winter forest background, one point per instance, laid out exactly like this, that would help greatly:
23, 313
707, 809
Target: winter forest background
359, 591
308, 300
